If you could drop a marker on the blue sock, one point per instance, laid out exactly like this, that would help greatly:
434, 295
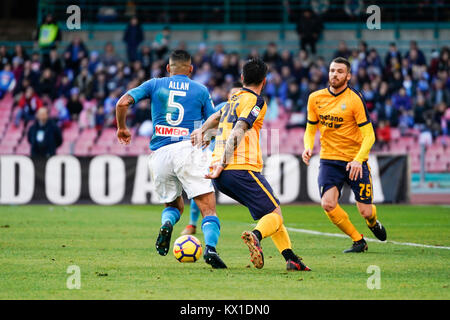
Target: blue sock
211, 230
195, 212
170, 214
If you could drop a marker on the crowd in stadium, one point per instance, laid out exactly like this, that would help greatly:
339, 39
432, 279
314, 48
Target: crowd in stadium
401, 89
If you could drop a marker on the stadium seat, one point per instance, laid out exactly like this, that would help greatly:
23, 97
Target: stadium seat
395, 134
6, 149
82, 147
65, 148
108, 136
99, 149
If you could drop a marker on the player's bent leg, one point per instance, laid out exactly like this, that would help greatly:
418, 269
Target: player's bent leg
194, 213
170, 216
210, 228
369, 212
337, 215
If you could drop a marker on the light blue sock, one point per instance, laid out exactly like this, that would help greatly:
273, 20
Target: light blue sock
170, 214
195, 212
211, 230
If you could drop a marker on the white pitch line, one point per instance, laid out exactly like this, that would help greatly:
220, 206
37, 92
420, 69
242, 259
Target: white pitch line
337, 235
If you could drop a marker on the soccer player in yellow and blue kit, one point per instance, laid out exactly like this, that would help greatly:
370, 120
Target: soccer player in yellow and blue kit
194, 211
237, 164
346, 137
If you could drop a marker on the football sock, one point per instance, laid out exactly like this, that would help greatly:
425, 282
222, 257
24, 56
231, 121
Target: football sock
194, 214
281, 239
257, 234
211, 230
269, 224
170, 214
340, 218
288, 254
373, 219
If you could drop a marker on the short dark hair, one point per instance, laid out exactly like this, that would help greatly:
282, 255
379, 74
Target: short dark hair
180, 55
342, 60
254, 71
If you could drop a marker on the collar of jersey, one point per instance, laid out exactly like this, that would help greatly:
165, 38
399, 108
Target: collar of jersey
251, 91
180, 75
337, 93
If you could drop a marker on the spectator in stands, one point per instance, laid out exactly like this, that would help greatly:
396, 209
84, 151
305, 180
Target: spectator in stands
383, 133
401, 100
342, 50
99, 118
133, 36
20, 53
100, 89
46, 88
109, 57
161, 43
439, 94
415, 55
393, 53
420, 108
309, 28
7, 80
94, 62
387, 111
74, 105
48, 35
74, 53
141, 114
271, 55
44, 136
218, 56
146, 58
53, 62
63, 87
5, 57
28, 105
84, 82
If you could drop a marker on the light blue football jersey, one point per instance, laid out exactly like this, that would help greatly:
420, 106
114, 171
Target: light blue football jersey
178, 105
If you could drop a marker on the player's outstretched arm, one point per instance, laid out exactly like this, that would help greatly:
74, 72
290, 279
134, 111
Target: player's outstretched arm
123, 134
208, 129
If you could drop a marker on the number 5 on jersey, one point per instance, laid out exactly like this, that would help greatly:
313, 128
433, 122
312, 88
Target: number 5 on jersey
178, 106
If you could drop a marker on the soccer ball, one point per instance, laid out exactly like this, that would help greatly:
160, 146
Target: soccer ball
187, 249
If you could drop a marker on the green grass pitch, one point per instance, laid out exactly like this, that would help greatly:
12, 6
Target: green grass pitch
114, 249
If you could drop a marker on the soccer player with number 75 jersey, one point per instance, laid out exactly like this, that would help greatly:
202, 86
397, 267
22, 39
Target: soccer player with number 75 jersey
178, 104
346, 137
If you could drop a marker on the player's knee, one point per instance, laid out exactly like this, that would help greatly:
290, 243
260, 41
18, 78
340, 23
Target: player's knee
366, 212
328, 205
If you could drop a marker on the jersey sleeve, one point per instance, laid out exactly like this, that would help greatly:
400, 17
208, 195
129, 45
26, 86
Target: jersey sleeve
144, 91
208, 105
250, 110
360, 110
311, 115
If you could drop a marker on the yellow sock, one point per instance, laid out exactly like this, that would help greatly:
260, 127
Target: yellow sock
281, 239
269, 224
373, 219
340, 218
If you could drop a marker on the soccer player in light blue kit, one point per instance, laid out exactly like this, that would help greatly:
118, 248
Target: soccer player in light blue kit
178, 105
191, 228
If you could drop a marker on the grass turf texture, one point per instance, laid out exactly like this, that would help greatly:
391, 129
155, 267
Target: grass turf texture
114, 248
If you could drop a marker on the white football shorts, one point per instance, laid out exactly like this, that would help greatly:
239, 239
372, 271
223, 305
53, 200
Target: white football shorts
180, 166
